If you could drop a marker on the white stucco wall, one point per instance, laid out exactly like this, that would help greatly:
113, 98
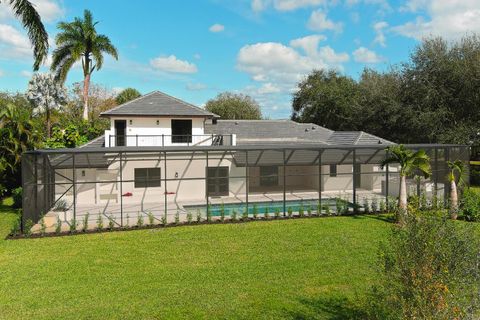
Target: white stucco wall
147, 126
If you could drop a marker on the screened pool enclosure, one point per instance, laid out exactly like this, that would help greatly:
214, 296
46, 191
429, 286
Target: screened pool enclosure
122, 184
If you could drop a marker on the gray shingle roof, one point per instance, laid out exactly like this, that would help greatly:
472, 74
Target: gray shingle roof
251, 132
157, 104
270, 131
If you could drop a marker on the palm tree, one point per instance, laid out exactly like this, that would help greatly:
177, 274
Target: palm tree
410, 162
78, 40
457, 170
25, 11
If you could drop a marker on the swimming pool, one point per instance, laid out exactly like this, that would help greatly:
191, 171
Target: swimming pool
271, 207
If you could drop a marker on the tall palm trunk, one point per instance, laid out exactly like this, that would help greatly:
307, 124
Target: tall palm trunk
402, 198
86, 85
453, 200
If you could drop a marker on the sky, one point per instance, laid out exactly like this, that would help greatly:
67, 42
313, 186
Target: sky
195, 49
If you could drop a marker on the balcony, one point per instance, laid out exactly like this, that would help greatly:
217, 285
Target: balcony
169, 140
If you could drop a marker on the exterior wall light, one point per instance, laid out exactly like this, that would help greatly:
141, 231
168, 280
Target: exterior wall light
130, 121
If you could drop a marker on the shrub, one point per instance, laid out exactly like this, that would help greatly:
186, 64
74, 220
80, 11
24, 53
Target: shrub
127, 224
266, 215
423, 203
234, 215
245, 215
17, 197
99, 222
151, 218
43, 226
164, 220
290, 212
58, 226
199, 215
15, 227
255, 211
85, 222
309, 211
28, 228
177, 217
111, 222
301, 213
189, 217
470, 205
277, 213
429, 270
327, 210
383, 206
374, 205
392, 204
139, 220
366, 206
222, 212
73, 225
319, 208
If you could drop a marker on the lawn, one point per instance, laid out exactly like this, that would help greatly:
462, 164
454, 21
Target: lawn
293, 269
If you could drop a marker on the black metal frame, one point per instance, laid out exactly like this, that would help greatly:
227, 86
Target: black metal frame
40, 193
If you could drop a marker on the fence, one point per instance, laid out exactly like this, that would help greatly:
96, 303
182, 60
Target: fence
169, 183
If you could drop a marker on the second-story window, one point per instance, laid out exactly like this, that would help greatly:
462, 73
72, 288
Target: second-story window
181, 131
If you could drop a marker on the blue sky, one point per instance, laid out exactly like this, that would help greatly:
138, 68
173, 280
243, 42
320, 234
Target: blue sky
196, 49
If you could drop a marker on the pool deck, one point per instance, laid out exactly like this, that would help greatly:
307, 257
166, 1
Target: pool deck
131, 211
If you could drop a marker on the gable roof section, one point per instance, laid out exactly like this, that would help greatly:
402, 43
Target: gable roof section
158, 104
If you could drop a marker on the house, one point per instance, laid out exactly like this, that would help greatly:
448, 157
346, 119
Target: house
164, 156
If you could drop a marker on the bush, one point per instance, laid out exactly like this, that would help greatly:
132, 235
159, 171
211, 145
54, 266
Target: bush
17, 197
429, 270
470, 205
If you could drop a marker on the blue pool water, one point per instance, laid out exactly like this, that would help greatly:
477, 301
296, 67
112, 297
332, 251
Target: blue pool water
270, 207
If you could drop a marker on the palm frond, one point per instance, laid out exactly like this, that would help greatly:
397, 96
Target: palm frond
25, 11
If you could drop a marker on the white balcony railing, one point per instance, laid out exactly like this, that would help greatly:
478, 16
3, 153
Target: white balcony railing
168, 140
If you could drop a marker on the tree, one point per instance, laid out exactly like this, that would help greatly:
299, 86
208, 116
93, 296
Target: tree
327, 99
78, 40
229, 105
410, 162
46, 94
25, 11
127, 95
456, 171
17, 135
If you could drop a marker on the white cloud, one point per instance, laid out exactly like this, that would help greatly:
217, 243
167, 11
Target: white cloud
13, 44
49, 10
364, 55
447, 18
217, 28
26, 73
195, 86
319, 22
173, 65
285, 5
309, 44
379, 33
267, 88
279, 67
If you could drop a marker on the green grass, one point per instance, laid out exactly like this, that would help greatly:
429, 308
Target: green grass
293, 269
